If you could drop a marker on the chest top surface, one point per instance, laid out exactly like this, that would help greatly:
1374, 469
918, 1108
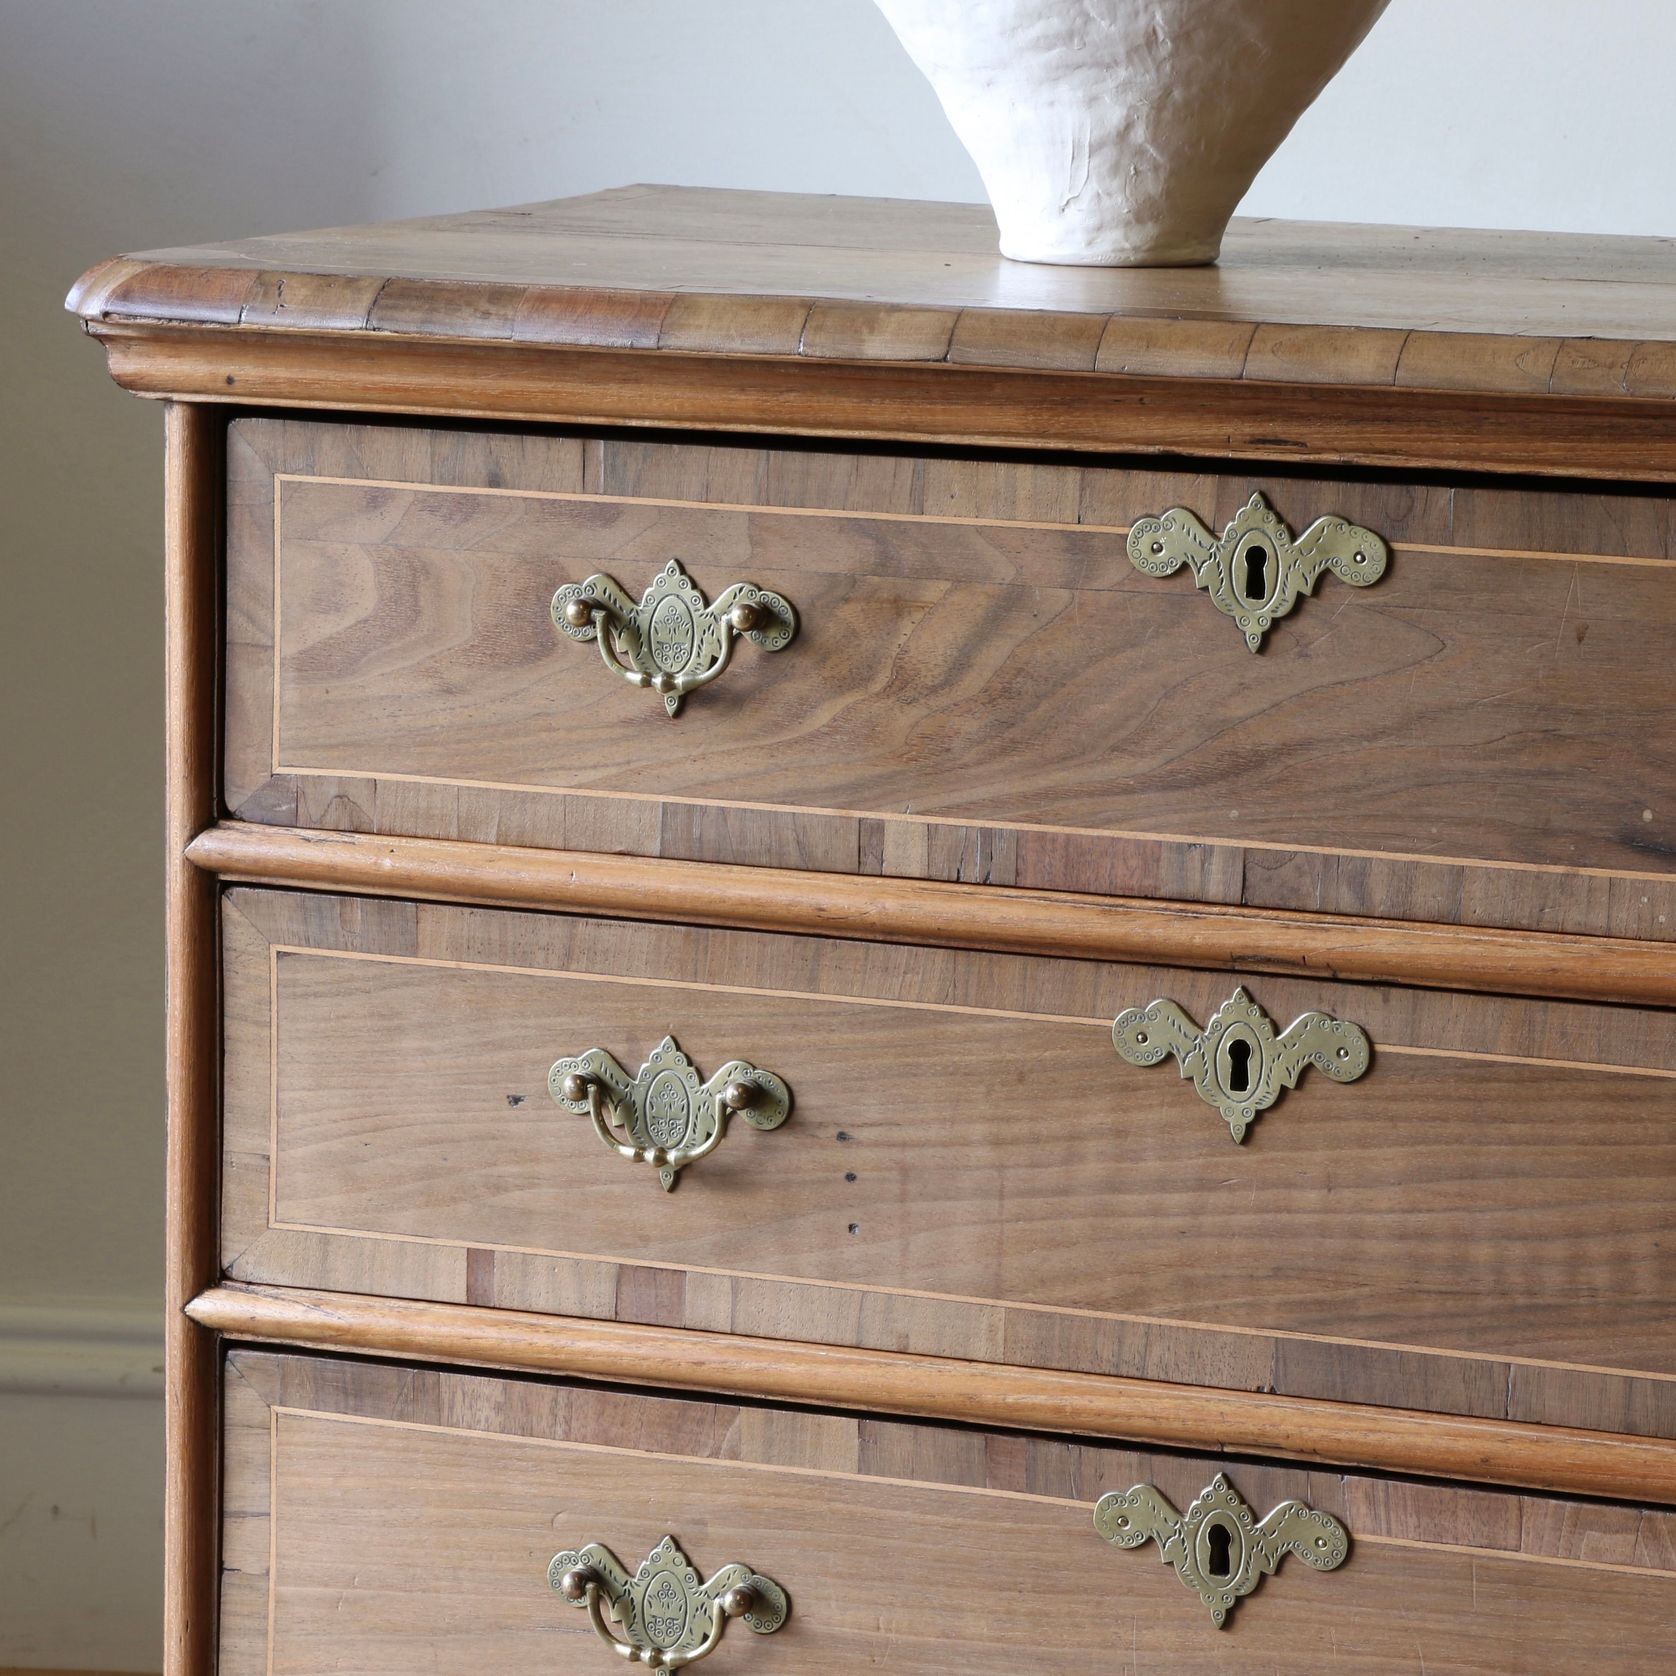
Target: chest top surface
905, 259
854, 317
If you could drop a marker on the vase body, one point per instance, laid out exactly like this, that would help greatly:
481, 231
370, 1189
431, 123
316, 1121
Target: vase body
1124, 132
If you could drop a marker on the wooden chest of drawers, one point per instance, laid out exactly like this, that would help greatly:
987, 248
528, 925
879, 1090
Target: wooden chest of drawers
876, 925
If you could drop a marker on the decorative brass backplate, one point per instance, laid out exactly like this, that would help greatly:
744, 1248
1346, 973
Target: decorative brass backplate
669, 1117
1238, 1062
1219, 1547
1257, 572
671, 641
668, 1617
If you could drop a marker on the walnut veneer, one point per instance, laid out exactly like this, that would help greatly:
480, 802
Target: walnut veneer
1000, 788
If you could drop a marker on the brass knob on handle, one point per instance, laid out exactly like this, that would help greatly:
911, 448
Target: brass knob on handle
576, 1582
738, 1601
668, 1617
578, 613
741, 1096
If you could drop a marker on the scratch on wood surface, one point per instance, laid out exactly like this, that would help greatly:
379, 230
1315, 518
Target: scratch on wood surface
1565, 613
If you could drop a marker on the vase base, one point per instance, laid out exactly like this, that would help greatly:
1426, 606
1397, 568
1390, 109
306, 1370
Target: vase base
1163, 256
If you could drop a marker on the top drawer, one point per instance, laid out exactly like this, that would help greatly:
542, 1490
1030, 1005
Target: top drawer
982, 686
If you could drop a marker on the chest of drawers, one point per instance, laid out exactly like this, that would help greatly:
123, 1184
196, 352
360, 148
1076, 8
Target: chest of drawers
851, 927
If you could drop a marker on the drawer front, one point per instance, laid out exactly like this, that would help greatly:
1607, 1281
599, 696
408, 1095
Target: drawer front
1482, 1223
981, 686
381, 1520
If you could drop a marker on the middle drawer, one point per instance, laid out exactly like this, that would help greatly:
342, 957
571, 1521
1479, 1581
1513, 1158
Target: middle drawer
1479, 1222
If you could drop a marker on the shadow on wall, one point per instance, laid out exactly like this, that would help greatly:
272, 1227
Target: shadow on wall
121, 126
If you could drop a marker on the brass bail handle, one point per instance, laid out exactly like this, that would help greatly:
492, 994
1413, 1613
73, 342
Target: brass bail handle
578, 1087
668, 1616
665, 1115
582, 1584
673, 641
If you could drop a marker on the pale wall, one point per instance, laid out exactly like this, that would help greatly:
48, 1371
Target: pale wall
126, 123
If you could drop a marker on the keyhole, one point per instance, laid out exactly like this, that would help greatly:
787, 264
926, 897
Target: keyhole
1216, 1561
1239, 1074
1256, 572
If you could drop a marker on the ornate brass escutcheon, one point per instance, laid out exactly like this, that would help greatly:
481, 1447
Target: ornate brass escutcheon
672, 641
1220, 1549
1257, 572
1238, 1062
667, 1117
668, 1617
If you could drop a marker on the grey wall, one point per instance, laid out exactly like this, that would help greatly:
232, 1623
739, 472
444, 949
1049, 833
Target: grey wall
127, 123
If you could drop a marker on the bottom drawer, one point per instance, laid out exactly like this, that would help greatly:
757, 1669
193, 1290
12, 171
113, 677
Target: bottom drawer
384, 1519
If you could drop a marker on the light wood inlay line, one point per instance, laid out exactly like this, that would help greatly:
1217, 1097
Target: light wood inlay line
912, 1485
276, 629
676, 1459
274, 1086
273, 1529
1512, 1554
1397, 548
569, 974
602, 499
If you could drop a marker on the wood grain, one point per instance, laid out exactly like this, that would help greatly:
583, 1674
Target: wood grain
727, 255
945, 916
1227, 419
949, 1176
765, 312
951, 670
1483, 1295
957, 614
193, 475
1550, 1458
501, 1477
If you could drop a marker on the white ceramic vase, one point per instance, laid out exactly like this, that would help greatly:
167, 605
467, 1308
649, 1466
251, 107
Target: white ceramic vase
1124, 132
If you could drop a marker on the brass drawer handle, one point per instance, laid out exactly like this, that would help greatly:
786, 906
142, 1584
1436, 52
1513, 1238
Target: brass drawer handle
668, 1617
672, 641
1238, 1062
1219, 1548
664, 1115
1257, 572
